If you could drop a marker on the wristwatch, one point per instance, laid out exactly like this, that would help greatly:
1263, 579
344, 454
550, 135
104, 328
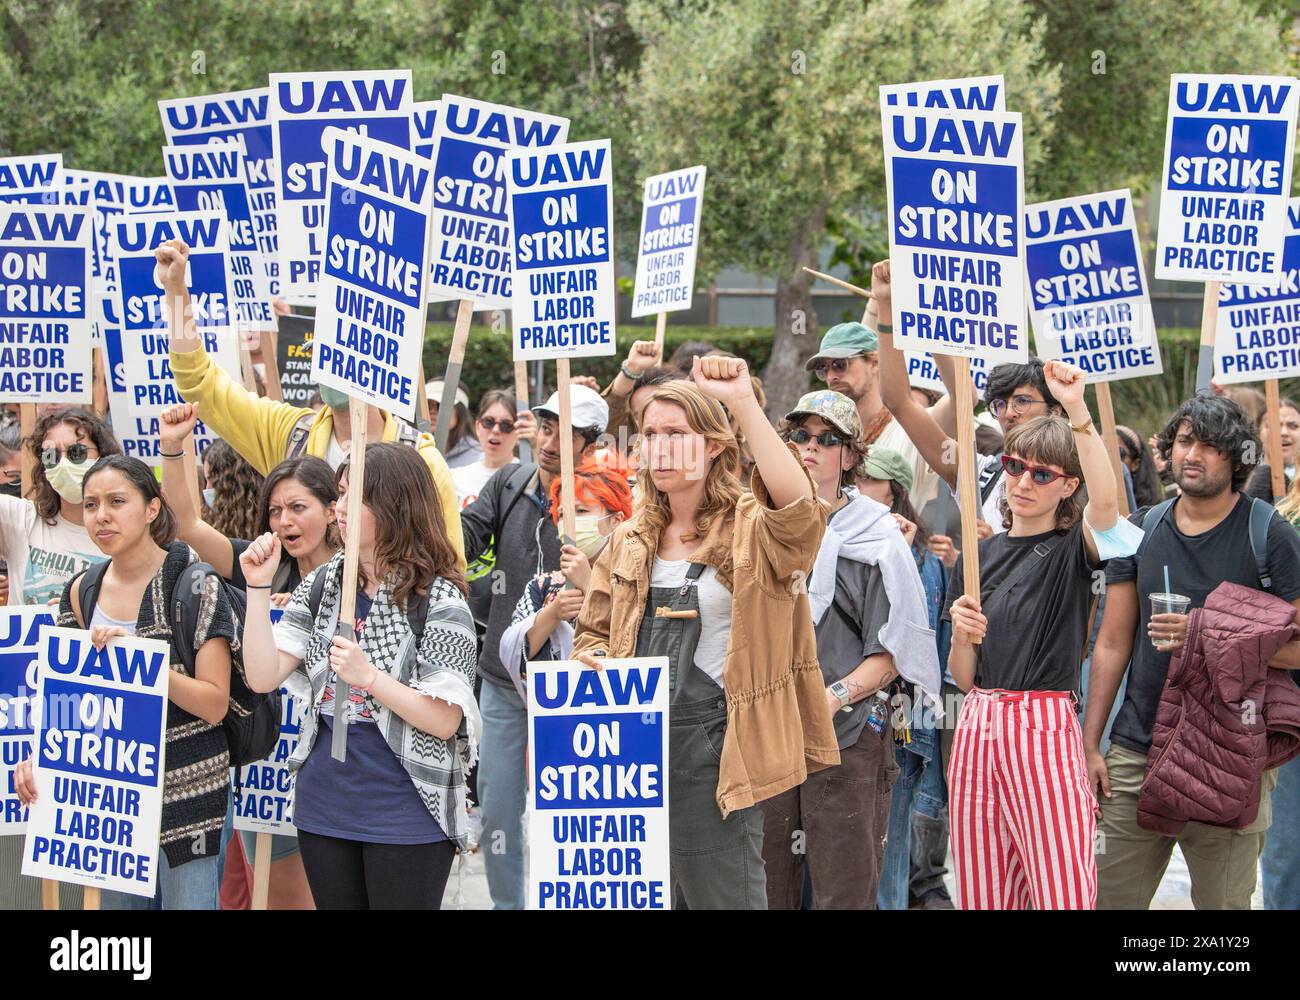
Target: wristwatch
630, 376
841, 691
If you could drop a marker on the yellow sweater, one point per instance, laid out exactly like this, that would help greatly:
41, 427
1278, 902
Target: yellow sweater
259, 428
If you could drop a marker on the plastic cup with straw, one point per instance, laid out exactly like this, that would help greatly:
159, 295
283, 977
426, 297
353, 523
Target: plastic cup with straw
1165, 604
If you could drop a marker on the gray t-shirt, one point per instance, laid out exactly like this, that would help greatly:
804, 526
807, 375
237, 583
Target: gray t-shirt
849, 632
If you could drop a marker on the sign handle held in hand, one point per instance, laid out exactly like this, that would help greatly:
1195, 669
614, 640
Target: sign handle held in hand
1209, 324
1273, 439
521, 396
346, 624
422, 419
1111, 438
261, 870
459, 337
967, 501
568, 500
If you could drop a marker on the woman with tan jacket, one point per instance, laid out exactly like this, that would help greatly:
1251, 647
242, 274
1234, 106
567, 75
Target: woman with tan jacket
713, 578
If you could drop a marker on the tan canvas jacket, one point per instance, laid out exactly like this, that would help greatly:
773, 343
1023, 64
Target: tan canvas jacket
778, 727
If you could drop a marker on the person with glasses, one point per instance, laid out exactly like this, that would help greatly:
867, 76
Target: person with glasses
848, 362
497, 427
871, 621
1013, 393
1022, 812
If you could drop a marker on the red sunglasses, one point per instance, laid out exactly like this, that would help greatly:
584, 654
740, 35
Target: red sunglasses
1041, 476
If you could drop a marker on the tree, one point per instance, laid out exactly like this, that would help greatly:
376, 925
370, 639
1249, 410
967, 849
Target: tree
780, 99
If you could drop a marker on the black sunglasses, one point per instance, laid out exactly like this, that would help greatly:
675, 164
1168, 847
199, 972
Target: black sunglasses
491, 424
77, 453
838, 366
1041, 476
827, 439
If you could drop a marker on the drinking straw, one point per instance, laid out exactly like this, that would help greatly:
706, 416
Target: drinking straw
1167, 590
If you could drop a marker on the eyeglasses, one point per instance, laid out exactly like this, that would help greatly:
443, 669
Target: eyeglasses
826, 439
491, 424
77, 453
1019, 404
1041, 476
839, 366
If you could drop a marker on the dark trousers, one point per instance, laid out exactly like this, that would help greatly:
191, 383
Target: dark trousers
834, 824
353, 875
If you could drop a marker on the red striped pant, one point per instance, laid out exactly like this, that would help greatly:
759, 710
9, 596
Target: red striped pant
1021, 812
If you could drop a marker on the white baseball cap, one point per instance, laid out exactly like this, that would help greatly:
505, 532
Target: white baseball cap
587, 409
433, 393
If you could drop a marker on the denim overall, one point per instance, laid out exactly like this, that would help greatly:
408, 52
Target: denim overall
717, 864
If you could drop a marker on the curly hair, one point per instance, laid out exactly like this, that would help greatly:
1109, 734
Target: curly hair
89, 428
1222, 424
722, 489
1005, 379
1049, 441
411, 544
236, 487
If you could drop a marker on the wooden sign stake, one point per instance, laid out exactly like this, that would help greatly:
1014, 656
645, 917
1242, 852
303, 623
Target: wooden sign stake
1111, 439
568, 500
521, 396
1209, 322
661, 330
346, 624
90, 898
271, 364
967, 500
459, 337
1273, 439
262, 868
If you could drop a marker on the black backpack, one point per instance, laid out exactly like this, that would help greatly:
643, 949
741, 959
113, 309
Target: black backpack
251, 737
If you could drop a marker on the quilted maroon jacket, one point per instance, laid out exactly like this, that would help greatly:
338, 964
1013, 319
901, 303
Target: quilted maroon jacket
1225, 716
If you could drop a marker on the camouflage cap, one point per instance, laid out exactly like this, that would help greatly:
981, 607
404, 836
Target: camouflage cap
833, 407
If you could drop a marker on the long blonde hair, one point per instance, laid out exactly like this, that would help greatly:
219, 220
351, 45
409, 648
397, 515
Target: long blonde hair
722, 488
1289, 505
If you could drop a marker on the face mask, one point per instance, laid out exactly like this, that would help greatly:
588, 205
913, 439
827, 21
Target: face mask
209, 496
587, 536
333, 398
66, 478
10, 489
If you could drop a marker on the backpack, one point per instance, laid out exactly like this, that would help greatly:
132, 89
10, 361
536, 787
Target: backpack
1261, 514
515, 485
988, 480
251, 737
301, 433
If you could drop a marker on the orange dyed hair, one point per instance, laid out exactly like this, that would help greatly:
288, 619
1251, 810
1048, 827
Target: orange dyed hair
603, 482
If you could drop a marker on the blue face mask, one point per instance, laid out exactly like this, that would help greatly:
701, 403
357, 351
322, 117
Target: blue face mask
209, 496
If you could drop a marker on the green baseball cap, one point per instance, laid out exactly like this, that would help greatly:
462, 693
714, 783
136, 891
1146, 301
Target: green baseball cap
885, 463
845, 340
833, 407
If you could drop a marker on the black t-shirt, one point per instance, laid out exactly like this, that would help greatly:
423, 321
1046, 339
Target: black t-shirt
1197, 564
237, 547
1037, 628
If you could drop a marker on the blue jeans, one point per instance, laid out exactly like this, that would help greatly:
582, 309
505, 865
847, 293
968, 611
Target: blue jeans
501, 788
1279, 862
913, 788
195, 885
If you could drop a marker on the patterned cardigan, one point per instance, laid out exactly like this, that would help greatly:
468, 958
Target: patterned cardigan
196, 783
443, 667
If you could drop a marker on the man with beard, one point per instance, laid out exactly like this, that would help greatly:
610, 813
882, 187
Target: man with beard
1204, 540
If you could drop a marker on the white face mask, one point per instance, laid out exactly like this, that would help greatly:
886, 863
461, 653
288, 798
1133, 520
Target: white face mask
66, 478
209, 495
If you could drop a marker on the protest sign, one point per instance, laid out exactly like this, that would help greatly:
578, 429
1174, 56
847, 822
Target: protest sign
1089, 299
20, 637
210, 178
562, 301
424, 119
671, 206
264, 789
1228, 148
375, 104
143, 311
598, 754
293, 358
923, 373
45, 303
100, 762
370, 313
471, 242
239, 115
1257, 334
113, 195
137, 435
956, 236
972, 93
27, 173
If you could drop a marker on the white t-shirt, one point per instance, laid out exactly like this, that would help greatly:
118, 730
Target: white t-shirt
715, 612
42, 557
470, 480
